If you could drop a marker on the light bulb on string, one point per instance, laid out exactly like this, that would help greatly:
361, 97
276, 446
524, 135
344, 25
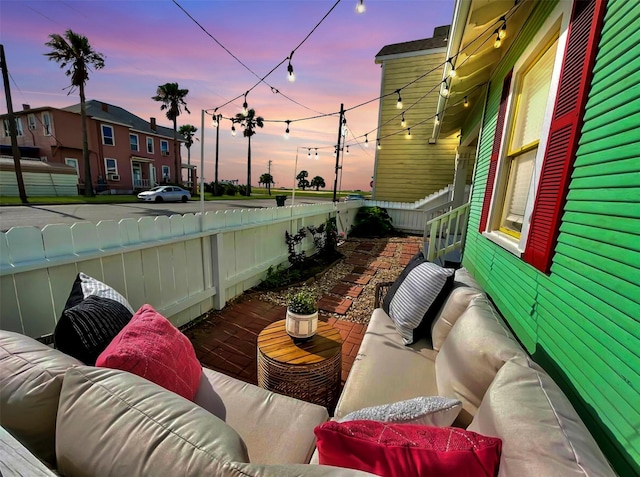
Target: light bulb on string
344, 128
399, 102
409, 133
347, 151
437, 118
360, 8
503, 31
498, 42
452, 71
445, 89
316, 153
245, 106
215, 121
366, 140
290, 74
335, 151
233, 129
309, 153
466, 102
403, 123
286, 132
378, 145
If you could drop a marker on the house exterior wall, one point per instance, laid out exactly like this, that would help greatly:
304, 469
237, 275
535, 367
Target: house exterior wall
581, 321
65, 142
410, 169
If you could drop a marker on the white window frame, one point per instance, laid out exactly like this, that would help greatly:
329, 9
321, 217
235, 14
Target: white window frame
150, 142
73, 162
164, 141
31, 121
113, 136
558, 20
108, 170
166, 173
46, 123
131, 135
19, 130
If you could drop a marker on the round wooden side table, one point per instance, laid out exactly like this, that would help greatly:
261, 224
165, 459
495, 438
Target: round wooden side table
307, 370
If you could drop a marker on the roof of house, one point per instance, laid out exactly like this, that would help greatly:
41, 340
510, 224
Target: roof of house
116, 114
439, 40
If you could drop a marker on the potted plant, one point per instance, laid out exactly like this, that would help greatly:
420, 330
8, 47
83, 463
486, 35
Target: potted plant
302, 314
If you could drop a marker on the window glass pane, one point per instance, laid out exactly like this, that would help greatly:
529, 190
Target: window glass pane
518, 190
107, 135
46, 124
533, 100
150, 145
133, 139
111, 166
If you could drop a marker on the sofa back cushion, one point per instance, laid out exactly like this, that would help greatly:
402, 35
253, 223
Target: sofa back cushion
112, 422
31, 377
540, 430
454, 306
475, 349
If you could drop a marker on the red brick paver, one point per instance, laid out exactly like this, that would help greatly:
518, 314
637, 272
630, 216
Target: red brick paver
380, 264
359, 279
334, 305
346, 289
364, 270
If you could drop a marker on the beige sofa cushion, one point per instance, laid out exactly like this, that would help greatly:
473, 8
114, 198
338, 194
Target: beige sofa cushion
112, 422
463, 276
453, 307
31, 376
385, 370
276, 429
252, 470
476, 348
541, 432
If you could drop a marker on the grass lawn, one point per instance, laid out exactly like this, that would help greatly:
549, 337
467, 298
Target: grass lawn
256, 193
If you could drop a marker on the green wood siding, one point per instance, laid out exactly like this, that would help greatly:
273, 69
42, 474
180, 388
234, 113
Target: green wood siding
410, 169
582, 321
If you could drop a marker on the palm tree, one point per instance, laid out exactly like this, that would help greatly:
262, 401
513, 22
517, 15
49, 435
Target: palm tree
74, 51
266, 179
318, 182
172, 99
187, 131
249, 122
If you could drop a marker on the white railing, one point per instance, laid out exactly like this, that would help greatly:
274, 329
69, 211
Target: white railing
140, 183
183, 266
446, 233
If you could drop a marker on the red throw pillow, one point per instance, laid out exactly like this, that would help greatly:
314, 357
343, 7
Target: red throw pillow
405, 450
151, 347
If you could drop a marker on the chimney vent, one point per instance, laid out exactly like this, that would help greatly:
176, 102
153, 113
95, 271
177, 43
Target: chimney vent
153, 124
105, 107
26, 107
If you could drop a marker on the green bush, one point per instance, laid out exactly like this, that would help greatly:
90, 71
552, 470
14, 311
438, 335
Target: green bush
372, 222
302, 302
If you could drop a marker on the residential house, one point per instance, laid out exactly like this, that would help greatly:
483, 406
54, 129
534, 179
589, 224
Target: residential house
127, 153
553, 228
409, 165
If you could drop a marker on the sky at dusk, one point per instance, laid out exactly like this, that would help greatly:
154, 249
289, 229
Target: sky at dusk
148, 43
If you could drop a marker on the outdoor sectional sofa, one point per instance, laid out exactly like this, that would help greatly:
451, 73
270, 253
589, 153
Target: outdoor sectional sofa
91, 421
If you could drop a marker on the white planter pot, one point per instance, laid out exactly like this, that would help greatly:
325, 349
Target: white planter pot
301, 326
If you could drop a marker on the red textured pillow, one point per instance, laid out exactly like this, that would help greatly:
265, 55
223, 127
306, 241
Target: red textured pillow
405, 449
151, 347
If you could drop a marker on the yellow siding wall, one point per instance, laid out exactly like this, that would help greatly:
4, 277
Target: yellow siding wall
410, 169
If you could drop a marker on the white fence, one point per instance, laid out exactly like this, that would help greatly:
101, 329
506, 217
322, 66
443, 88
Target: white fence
180, 266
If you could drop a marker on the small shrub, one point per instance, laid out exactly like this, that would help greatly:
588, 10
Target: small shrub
293, 241
372, 222
243, 190
302, 302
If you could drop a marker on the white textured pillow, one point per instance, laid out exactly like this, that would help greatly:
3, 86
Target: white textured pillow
435, 411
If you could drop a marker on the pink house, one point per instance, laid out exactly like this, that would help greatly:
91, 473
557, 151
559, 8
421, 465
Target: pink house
127, 153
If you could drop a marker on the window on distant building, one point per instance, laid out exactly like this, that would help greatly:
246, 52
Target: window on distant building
46, 123
7, 133
164, 147
133, 139
110, 165
107, 136
70, 161
31, 119
150, 145
165, 173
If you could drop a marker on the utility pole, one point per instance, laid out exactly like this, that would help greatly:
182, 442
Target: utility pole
13, 132
335, 181
269, 172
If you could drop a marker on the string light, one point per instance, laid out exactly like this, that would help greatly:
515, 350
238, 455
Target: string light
378, 145
216, 122
437, 118
245, 106
286, 132
309, 153
498, 42
366, 140
344, 128
335, 151
316, 153
403, 123
445, 89
291, 75
233, 129
360, 8
409, 133
452, 71
466, 102
503, 30
399, 103
347, 152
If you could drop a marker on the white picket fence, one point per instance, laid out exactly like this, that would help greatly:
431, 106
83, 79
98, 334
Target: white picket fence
181, 266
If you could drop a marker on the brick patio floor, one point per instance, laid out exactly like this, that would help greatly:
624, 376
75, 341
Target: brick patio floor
227, 341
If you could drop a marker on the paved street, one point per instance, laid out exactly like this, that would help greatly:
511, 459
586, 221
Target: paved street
41, 215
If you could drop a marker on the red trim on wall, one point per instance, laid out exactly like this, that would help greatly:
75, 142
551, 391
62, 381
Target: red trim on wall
566, 124
495, 152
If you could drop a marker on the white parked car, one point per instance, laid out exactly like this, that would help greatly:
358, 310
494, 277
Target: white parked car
165, 194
